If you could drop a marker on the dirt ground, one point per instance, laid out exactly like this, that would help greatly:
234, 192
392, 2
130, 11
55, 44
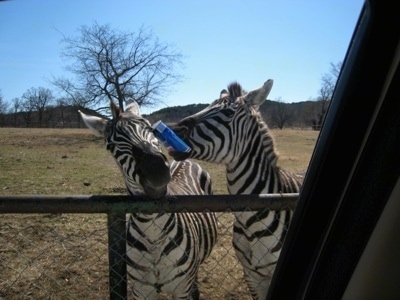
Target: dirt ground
47, 256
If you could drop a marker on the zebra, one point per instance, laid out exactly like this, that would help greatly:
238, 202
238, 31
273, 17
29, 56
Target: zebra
164, 250
231, 131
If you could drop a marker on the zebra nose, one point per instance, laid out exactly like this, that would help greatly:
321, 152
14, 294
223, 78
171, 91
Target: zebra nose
183, 127
188, 122
155, 170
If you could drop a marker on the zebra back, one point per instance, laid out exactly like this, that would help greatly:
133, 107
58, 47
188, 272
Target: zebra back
189, 178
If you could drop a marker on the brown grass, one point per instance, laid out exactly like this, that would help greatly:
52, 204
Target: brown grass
64, 256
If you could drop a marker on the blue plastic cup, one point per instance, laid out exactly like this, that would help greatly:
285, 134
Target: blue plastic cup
169, 139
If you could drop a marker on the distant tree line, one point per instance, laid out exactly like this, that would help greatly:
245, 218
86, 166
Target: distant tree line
278, 114
38, 108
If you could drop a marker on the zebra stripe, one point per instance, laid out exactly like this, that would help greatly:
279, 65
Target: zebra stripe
231, 131
164, 250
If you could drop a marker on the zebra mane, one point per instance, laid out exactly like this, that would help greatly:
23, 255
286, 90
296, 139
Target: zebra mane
267, 139
235, 90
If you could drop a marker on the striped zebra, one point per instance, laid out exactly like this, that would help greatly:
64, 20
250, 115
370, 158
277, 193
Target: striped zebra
164, 250
231, 131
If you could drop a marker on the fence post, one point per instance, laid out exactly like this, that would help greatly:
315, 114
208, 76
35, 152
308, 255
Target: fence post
116, 255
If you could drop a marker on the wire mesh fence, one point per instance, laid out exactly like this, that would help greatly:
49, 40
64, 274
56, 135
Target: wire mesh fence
57, 247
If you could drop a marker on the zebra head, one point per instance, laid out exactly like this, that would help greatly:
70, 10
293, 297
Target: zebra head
217, 132
130, 139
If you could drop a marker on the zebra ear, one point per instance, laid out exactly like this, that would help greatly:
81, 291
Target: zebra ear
258, 96
223, 94
132, 106
115, 110
95, 124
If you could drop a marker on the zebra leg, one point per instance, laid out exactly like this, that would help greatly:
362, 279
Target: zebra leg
188, 290
145, 292
195, 290
258, 285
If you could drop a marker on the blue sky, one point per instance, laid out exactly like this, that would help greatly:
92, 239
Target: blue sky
292, 42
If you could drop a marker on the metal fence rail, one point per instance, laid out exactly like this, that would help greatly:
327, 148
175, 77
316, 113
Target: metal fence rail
127, 204
117, 206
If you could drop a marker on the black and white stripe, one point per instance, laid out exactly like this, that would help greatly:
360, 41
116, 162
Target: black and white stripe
164, 250
231, 131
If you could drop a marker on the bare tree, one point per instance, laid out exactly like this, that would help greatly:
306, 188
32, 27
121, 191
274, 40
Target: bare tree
281, 113
62, 105
73, 94
329, 82
3, 109
110, 64
16, 106
27, 111
38, 100
3, 104
325, 94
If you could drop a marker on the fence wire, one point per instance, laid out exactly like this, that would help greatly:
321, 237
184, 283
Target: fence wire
57, 247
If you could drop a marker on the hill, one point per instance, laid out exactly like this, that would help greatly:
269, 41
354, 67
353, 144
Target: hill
174, 113
276, 114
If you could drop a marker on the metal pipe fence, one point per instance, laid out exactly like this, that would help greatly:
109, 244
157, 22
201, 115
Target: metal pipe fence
117, 206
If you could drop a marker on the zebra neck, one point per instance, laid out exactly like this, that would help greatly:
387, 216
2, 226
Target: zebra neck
255, 143
255, 172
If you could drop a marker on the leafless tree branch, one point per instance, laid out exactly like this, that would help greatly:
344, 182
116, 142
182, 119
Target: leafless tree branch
112, 65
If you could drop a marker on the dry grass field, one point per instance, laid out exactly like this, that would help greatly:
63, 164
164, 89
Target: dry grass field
64, 256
